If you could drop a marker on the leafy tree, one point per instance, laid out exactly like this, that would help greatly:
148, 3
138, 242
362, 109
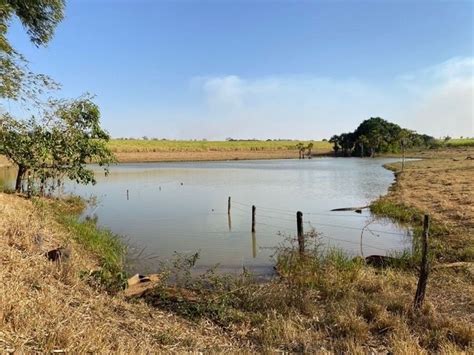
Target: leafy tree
377, 135
39, 18
404, 137
361, 142
310, 148
301, 148
335, 143
346, 141
57, 147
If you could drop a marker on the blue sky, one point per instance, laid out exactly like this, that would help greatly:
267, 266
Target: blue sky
265, 69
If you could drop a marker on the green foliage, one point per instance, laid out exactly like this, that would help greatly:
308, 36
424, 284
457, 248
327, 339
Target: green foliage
457, 143
39, 18
59, 146
377, 135
103, 244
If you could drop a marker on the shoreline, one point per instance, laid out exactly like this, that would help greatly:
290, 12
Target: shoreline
352, 301
208, 156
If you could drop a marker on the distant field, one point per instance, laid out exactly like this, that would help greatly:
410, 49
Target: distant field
146, 146
465, 142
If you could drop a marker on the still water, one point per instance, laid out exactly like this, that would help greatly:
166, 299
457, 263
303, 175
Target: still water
182, 207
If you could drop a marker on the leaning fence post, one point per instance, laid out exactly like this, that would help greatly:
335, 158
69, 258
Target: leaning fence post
228, 205
253, 218
424, 268
299, 228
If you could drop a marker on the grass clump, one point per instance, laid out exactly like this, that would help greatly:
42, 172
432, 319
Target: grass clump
105, 246
322, 300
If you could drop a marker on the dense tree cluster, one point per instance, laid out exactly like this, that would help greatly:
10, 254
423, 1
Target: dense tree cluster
377, 135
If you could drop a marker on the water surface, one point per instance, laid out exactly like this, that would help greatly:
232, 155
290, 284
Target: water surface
182, 207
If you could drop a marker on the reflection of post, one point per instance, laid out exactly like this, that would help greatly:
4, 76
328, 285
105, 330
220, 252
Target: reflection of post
253, 218
230, 222
299, 226
254, 245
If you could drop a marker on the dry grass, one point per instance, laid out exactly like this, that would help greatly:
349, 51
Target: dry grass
442, 187
158, 150
135, 157
321, 303
45, 306
3, 161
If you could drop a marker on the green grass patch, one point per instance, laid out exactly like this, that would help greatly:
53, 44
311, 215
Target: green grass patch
439, 245
104, 245
461, 142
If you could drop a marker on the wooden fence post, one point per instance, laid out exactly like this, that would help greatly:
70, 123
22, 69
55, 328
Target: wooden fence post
299, 228
253, 219
228, 205
127, 195
424, 268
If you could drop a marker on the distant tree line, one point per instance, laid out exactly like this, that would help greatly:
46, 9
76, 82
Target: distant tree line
377, 135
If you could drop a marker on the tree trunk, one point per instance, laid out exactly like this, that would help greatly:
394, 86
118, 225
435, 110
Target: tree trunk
19, 177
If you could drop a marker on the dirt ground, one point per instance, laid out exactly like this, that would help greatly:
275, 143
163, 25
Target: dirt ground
134, 157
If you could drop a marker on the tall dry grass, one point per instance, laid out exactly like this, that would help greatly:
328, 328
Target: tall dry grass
47, 306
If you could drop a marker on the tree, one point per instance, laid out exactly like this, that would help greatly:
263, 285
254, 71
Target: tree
377, 135
301, 148
57, 147
335, 143
404, 137
310, 148
346, 141
39, 18
362, 141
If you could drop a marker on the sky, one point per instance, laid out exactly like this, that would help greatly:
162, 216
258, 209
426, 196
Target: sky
264, 69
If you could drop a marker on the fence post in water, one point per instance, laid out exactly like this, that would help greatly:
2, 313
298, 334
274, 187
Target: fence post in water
424, 268
299, 228
254, 245
127, 194
253, 219
228, 205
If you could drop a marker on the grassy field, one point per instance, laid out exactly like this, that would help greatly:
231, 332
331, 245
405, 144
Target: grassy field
160, 150
135, 146
458, 142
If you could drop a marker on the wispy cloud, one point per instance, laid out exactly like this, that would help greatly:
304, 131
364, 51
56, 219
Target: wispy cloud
441, 98
437, 100
286, 107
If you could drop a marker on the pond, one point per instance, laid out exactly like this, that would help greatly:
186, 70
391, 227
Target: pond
182, 207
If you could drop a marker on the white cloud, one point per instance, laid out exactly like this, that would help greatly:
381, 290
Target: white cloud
437, 100
284, 107
442, 99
